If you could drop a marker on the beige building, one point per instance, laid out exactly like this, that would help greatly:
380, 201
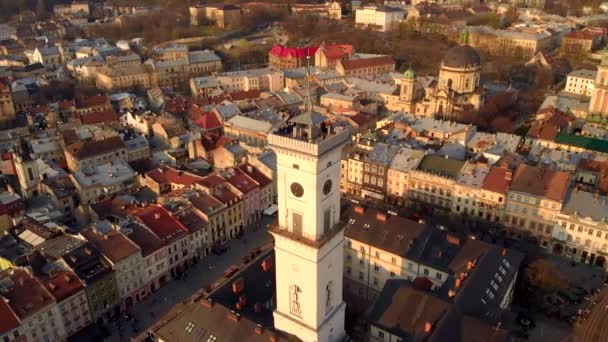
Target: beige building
398, 177
365, 65
7, 107
267, 79
580, 231
581, 82
221, 15
95, 153
94, 183
69, 293
123, 78
330, 9
381, 18
536, 196
521, 44
599, 96
433, 182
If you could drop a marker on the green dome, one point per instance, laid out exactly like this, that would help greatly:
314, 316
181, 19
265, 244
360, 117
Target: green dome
409, 74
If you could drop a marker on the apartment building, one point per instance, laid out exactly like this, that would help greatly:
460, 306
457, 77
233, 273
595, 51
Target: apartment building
365, 65
581, 82
98, 182
580, 230
170, 53
7, 107
581, 42
127, 77
432, 184
100, 285
467, 190
71, 299
492, 202
174, 237
215, 214
266, 79
125, 258
375, 170
229, 196
327, 56
380, 248
177, 72
535, 198
381, 18
509, 42
285, 58
398, 177
32, 312
219, 14
94, 153
165, 179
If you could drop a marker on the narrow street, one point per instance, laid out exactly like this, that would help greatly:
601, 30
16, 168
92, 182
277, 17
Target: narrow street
206, 272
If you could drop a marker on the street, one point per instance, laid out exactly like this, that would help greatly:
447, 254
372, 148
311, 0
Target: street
206, 272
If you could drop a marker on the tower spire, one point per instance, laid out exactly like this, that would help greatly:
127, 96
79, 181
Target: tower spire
308, 106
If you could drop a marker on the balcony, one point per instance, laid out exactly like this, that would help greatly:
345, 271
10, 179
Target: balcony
275, 229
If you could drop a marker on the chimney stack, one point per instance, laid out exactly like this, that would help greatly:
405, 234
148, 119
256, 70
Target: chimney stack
382, 217
428, 326
504, 252
359, 210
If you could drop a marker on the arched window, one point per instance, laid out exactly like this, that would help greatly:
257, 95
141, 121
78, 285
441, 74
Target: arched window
466, 83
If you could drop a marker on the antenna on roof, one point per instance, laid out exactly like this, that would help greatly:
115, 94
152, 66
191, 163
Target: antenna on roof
308, 107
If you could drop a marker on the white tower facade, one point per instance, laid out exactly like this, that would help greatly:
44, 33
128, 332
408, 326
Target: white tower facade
309, 236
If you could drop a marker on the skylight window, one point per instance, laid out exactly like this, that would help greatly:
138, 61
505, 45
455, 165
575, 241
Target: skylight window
189, 327
490, 294
212, 338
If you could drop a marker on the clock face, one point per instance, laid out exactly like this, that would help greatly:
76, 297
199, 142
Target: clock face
297, 189
327, 187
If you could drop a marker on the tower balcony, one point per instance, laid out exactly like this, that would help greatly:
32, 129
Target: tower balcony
285, 139
317, 244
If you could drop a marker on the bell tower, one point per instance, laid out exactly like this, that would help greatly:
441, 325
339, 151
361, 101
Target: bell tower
309, 235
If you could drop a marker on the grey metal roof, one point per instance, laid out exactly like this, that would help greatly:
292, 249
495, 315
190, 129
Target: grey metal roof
585, 205
309, 119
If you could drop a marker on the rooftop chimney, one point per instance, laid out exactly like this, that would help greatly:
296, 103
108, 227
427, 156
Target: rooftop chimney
259, 329
157, 216
504, 252
359, 209
208, 303
452, 239
458, 282
427, 327
380, 216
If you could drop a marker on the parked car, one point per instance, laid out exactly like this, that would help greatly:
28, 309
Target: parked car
230, 271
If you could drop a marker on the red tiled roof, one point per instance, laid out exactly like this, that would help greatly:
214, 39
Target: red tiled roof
547, 128
254, 173
592, 165
162, 223
113, 244
497, 180
212, 141
582, 35
62, 285
70, 136
205, 203
245, 95
27, 296
208, 121
337, 51
170, 175
241, 181
100, 117
93, 101
293, 52
541, 182
358, 63
219, 189
81, 150
145, 239
66, 104
9, 320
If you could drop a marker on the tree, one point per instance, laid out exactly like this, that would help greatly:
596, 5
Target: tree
545, 275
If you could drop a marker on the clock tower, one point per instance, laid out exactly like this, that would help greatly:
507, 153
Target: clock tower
309, 235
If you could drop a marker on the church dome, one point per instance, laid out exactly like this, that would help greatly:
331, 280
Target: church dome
409, 74
461, 56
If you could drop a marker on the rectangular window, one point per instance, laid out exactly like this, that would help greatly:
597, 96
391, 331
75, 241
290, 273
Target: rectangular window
296, 223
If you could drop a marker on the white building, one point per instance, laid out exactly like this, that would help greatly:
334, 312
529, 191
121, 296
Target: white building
309, 237
581, 82
580, 231
381, 18
266, 79
93, 183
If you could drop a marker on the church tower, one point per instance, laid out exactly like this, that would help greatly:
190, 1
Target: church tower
407, 92
309, 235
